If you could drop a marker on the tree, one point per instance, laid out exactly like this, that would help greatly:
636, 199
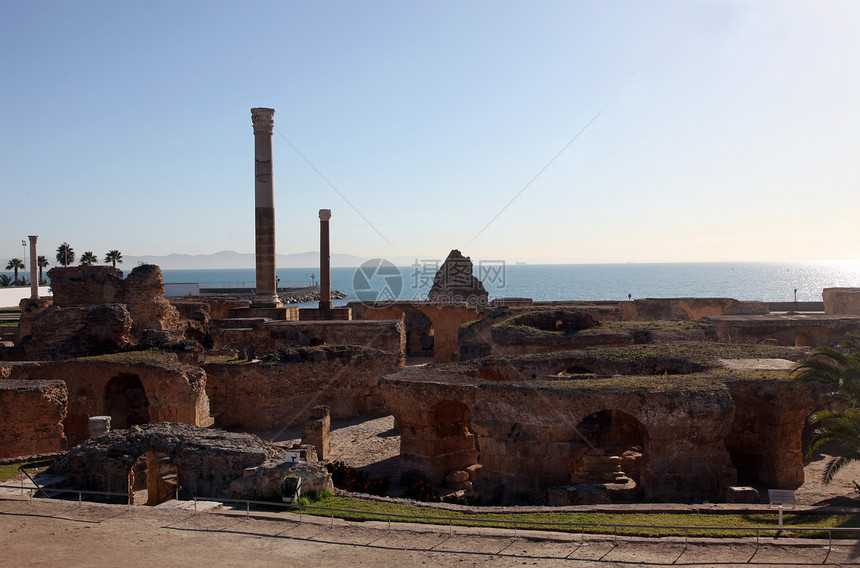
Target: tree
65, 254
43, 263
15, 264
5, 280
89, 258
113, 256
839, 371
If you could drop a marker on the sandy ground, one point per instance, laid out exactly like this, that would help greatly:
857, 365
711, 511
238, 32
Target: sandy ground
52, 533
62, 533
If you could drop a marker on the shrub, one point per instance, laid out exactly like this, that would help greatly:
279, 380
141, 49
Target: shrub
421, 491
351, 479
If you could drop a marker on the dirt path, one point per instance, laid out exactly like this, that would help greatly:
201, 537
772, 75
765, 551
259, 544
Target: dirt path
59, 533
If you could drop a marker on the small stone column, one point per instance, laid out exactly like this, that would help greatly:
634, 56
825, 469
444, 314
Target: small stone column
318, 431
325, 261
264, 213
34, 269
99, 425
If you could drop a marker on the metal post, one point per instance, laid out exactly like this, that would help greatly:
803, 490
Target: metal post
247, 509
515, 529
780, 516
450, 528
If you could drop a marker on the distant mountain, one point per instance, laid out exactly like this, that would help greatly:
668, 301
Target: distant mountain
232, 259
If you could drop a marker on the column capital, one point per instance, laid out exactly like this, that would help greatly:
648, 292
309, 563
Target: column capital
263, 120
33, 238
325, 214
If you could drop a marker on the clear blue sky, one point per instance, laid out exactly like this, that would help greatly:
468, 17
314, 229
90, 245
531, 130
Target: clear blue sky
729, 130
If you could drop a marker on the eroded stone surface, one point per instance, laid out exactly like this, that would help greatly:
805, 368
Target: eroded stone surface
31, 417
207, 459
455, 284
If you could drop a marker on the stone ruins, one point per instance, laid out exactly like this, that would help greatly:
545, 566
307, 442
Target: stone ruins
512, 400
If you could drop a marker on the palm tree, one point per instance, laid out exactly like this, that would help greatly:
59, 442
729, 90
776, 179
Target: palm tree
88, 258
65, 254
15, 264
5, 280
843, 428
43, 263
113, 256
839, 371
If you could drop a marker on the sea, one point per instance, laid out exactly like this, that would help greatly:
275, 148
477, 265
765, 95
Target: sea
379, 279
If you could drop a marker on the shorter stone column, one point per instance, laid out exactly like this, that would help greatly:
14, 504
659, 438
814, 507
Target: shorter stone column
99, 425
318, 431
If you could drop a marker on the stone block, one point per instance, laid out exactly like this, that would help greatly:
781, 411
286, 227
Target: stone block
99, 425
742, 495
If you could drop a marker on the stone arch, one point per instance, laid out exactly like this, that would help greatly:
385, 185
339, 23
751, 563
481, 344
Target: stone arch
126, 401
610, 448
153, 479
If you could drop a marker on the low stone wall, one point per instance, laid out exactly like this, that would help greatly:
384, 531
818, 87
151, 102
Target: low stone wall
689, 308
268, 336
268, 395
31, 417
132, 388
792, 330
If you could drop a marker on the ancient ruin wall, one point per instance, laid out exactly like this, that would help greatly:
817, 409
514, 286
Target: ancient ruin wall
272, 395
31, 417
526, 435
63, 333
127, 389
792, 330
841, 301
266, 337
207, 460
691, 308
765, 439
78, 286
144, 297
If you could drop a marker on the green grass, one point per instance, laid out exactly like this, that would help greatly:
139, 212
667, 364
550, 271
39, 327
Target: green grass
645, 524
33, 467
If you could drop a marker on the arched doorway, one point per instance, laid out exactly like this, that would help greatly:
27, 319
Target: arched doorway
126, 401
153, 479
609, 450
419, 334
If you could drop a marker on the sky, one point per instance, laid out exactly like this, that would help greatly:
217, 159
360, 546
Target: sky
541, 131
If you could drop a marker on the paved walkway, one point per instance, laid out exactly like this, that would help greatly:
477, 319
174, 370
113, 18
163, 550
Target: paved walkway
61, 533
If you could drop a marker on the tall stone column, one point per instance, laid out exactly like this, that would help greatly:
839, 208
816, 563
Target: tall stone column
34, 269
264, 213
325, 261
